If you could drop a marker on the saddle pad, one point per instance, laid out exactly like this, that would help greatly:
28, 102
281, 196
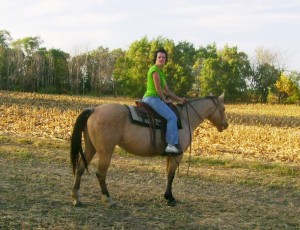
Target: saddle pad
137, 119
144, 120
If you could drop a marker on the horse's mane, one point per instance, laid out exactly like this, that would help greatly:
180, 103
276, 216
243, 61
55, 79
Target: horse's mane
201, 98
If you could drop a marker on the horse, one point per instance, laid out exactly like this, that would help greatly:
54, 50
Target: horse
108, 125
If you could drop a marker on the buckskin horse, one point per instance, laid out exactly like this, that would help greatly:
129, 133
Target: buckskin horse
108, 125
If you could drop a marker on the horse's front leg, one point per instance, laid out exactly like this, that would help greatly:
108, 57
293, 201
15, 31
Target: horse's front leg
172, 165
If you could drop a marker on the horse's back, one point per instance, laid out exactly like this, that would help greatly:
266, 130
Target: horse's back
106, 123
111, 111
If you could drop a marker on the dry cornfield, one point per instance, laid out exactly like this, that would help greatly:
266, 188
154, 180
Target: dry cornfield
246, 177
256, 131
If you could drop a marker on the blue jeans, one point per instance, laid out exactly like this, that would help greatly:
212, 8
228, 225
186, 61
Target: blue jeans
163, 110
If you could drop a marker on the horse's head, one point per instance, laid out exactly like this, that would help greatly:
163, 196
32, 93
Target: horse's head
217, 115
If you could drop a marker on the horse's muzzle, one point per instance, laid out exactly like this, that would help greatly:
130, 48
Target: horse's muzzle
222, 126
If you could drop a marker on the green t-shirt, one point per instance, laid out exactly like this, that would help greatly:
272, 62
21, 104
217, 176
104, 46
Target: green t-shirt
151, 90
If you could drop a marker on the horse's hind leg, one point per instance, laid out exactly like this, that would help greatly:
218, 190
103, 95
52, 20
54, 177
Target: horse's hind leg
104, 162
172, 165
89, 154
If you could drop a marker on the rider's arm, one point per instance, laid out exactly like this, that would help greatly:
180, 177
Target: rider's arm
173, 96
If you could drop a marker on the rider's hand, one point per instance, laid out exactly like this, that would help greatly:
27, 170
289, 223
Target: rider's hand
183, 100
168, 100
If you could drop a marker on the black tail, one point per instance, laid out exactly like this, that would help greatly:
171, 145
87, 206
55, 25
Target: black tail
76, 138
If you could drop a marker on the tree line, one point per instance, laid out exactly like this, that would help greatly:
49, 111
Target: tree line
192, 72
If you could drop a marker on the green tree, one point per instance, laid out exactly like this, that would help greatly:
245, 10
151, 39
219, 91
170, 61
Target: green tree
264, 79
59, 70
183, 75
227, 72
203, 53
121, 76
265, 73
115, 56
28, 45
5, 39
132, 72
138, 62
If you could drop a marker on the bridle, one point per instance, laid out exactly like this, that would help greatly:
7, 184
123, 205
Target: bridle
217, 106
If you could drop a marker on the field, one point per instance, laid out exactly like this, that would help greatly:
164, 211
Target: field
247, 177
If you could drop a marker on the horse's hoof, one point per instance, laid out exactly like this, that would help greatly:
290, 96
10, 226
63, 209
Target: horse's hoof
172, 203
112, 205
77, 204
108, 201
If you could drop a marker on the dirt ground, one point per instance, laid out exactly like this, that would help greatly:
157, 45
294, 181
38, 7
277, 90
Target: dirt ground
35, 187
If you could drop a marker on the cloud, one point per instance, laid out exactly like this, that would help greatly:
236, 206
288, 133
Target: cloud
236, 16
117, 23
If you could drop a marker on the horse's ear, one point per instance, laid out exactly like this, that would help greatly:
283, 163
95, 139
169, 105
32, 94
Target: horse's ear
221, 98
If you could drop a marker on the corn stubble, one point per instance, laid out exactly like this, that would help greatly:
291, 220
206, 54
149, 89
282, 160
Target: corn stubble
256, 131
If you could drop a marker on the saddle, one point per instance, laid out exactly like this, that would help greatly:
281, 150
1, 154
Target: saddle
143, 114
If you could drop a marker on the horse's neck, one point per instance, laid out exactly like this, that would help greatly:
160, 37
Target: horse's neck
195, 112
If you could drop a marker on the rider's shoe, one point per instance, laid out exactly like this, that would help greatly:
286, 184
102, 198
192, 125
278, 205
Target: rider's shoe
171, 150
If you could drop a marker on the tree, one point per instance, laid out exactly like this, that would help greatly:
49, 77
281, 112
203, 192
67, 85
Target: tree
183, 75
265, 73
265, 77
121, 76
59, 70
39, 70
288, 90
101, 63
28, 46
15, 69
5, 39
295, 78
226, 72
138, 59
115, 56
203, 53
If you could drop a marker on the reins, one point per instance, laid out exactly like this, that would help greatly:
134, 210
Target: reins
190, 132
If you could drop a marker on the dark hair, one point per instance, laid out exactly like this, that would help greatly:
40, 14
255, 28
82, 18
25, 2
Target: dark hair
160, 50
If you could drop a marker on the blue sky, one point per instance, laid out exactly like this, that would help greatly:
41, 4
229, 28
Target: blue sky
82, 25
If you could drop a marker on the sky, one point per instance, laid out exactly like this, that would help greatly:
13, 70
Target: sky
76, 26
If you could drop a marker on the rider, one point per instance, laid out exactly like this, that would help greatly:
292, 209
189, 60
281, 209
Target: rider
157, 88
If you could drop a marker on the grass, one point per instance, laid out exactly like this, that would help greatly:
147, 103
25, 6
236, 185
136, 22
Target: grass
36, 190
281, 169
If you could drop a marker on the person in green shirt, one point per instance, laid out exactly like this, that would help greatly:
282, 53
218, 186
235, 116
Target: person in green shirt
155, 96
